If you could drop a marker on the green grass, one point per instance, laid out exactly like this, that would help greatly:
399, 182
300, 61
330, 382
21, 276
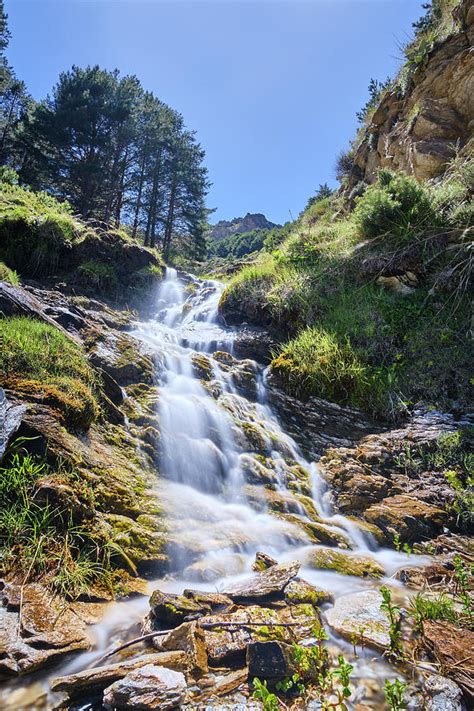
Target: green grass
8, 275
439, 607
42, 539
40, 362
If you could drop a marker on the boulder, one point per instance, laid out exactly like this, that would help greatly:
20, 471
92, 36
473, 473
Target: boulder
188, 638
171, 610
99, 678
269, 583
408, 517
150, 687
227, 635
299, 591
345, 563
10, 420
263, 561
358, 615
443, 694
271, 661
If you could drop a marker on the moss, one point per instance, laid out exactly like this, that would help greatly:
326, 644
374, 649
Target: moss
255, 437
202, 367
40, 362
346, 564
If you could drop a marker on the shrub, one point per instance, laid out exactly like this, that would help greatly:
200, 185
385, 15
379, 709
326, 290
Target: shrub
396, 205
344, 164
41, 362
36, 230
100, 277
9, 275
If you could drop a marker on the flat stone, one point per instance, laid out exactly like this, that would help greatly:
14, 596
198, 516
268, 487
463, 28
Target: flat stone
100, 677
150, 687
268, 583
344, 563
359, 615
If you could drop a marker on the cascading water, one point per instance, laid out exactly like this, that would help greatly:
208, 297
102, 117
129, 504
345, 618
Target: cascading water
216, 520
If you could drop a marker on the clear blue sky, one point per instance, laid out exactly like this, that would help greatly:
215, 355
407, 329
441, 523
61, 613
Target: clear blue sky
270, 86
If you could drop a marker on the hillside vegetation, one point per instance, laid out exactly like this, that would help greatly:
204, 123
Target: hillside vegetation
370, 306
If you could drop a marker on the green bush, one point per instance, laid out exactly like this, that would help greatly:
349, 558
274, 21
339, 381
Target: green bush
100, 277
396, 206
36, 230
40, 362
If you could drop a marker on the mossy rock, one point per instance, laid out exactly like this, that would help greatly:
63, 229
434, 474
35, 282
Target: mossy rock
202, 367
256, 438
344, 563
299, 591
141, 544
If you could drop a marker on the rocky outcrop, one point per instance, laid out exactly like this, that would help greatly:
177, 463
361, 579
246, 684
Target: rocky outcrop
239, 225
374, 480
150, 687
417, 131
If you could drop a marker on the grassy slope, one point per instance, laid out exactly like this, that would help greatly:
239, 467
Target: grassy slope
344, 335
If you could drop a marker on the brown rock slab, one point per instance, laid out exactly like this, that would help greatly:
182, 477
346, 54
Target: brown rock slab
411, 518
452, 647
171, 610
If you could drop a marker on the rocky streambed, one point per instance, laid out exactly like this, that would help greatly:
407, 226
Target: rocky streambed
202, 469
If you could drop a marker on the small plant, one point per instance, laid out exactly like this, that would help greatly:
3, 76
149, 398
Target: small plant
397, 542
394, 694
261, 692
343, 673
424, 608
393, 613
463, 577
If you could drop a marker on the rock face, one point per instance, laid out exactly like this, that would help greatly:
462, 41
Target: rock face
269, 660
368, 480
150, 687
418, 132
239, 225
359, 615
444, 694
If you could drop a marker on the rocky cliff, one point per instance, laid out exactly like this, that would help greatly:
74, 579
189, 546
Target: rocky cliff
239, 225
427, 114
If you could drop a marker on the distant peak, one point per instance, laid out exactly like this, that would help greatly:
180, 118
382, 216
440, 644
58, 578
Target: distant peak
239, 225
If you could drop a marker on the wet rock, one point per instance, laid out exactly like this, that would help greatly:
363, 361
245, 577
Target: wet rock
344, 563
10, 420
121, 356
451, 646
408, 517
444, 694
216, 601
227, 644
254, 343
98, 678
263, 561
150, 687
299, 591
429, 575
202, 366
16, 301
143, 540
36, 628
171, 610
269, 583
271, 661
358, 615
188, 638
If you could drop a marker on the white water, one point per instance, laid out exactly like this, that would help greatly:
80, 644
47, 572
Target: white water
215, 525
